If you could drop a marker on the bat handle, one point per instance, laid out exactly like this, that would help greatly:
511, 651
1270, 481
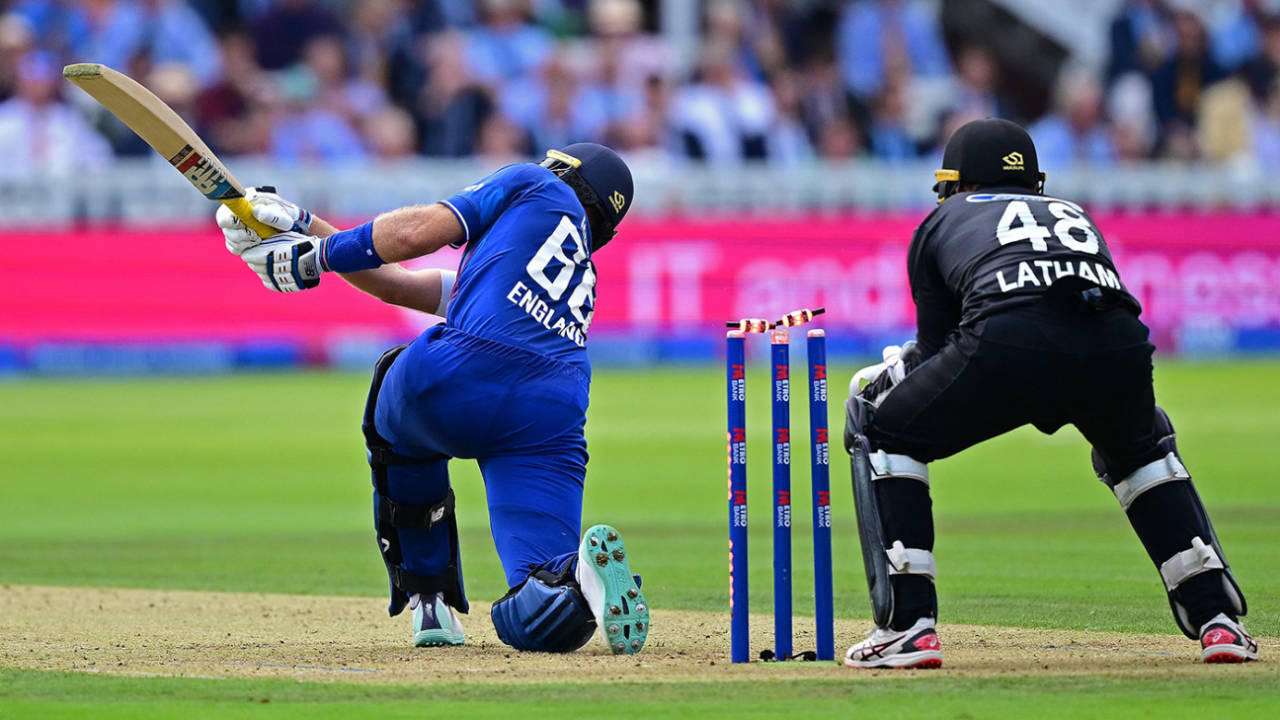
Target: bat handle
243, 210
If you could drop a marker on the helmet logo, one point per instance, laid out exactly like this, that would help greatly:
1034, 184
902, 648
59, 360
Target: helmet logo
618, 200
1013, 161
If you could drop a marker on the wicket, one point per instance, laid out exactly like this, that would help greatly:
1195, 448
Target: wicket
780, 386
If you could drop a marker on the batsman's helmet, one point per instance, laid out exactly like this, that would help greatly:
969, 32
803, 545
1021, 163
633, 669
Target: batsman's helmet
600, 179
986, 152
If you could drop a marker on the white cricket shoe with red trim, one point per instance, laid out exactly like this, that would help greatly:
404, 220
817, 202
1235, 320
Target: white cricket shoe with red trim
915, 647
1225, 641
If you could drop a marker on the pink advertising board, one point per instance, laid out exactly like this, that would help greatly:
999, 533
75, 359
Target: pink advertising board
672, 276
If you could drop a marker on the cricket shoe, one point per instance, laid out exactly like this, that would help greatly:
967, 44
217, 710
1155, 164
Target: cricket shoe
434, 622
1226, 641
915, 647
612, 592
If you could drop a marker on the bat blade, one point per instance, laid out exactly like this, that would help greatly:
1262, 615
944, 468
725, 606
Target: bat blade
167, 133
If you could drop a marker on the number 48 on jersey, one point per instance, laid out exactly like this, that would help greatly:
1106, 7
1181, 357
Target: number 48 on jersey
1069, 226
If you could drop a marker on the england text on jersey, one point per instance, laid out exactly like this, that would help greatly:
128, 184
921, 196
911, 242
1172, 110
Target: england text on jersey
538, 309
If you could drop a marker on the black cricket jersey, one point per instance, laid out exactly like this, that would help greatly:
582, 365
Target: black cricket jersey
982, 253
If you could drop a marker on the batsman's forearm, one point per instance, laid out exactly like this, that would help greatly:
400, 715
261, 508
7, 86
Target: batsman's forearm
419, 290
415, 231
404, 234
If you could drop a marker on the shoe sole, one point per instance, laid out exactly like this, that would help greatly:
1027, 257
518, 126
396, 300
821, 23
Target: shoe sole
437, 638
1226, 654
621, 611
914, 661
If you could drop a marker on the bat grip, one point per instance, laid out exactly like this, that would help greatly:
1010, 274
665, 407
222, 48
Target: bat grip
243, 210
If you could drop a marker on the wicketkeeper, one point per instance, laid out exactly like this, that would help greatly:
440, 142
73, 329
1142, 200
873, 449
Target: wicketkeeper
504, 380
1022, 318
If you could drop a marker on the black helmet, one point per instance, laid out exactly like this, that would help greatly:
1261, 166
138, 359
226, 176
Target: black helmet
990, 151
601, 180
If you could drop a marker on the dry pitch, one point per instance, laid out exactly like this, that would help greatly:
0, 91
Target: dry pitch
347, 639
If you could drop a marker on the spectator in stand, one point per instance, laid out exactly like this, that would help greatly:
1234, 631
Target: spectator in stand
1266, 137
377, 30
16, 39
787, 140
632, 56
408, 52
977, 77
305, 132
839, 140
723, 117
39, 134
724, 24
875, 36
338, 90
283, 31
229, 112
823, 99
1263, 69
549, 109
1224, 132
391, 135
1075, 132
1132, 118
500, 141
451, 106
1237, 35
224, 16
784, 33
755, 27
1178, 83
646, 129
176, 86
1141, 38
607, 99
887, 134
505, 46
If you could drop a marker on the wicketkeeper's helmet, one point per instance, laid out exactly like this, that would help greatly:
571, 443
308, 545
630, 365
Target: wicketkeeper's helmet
988, 152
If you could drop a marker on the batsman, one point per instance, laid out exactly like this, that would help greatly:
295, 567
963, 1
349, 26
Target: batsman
1022, 318
504, 381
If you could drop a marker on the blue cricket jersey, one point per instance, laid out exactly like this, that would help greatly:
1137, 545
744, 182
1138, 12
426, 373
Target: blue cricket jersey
526, 277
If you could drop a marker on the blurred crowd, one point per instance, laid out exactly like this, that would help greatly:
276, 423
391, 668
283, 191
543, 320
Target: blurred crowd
784, 81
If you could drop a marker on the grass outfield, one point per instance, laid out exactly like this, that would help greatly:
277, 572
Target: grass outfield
257, 483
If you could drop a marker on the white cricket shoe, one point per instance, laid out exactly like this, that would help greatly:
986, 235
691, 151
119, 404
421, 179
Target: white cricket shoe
1224, 640
915, 647
434, 622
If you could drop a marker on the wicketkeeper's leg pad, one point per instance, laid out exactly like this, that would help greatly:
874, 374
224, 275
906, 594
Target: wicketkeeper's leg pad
545, 613
413, 514
895, 525
1171, 521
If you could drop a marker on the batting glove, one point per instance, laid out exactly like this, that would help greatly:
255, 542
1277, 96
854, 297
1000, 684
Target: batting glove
269, 209
287, 262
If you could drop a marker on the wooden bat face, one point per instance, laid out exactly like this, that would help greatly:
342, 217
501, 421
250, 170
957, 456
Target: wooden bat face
166, 132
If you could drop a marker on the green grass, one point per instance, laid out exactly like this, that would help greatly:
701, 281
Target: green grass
258, 483
63, 695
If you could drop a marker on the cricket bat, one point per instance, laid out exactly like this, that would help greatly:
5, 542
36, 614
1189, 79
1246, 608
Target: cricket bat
168, 134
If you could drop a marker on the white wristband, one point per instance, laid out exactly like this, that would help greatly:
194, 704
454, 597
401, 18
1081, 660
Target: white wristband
447, 280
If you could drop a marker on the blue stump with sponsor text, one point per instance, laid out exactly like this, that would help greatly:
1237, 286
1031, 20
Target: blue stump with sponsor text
823, 593
736, 389
781, 366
